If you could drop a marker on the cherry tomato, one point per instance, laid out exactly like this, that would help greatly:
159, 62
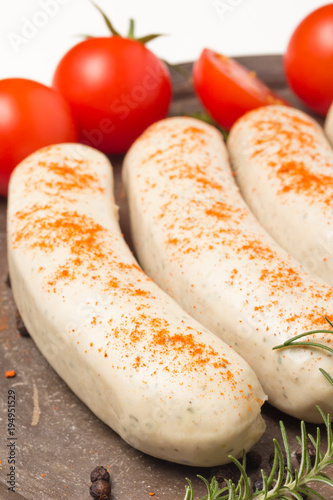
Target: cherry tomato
309, 60
116, 88
31, 116
227, 89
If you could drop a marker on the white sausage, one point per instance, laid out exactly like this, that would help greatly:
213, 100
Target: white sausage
168, 386
196, 238
284, 168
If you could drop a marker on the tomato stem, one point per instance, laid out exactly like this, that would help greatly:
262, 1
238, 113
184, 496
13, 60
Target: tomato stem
131, 29
148, 38
143, 39
107, 21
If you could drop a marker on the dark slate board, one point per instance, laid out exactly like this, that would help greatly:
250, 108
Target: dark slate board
55, 457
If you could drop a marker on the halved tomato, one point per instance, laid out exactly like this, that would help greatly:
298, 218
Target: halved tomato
227, 89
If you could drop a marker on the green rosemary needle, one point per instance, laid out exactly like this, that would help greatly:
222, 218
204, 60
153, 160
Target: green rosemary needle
293, 342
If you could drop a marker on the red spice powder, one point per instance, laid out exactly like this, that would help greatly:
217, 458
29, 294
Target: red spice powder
297, 162
70, 177
92, 259
208, 220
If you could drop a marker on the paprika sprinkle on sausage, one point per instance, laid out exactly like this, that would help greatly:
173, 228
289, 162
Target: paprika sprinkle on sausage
195, 236
164, 383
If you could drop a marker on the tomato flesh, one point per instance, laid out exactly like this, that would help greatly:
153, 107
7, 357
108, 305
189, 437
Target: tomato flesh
227, 89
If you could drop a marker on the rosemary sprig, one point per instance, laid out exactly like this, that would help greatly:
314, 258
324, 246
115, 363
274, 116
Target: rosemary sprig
283, 483
329, 378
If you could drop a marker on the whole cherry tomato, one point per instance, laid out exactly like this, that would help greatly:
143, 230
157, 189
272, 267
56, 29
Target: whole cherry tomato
309, 60
116, 88
31, 116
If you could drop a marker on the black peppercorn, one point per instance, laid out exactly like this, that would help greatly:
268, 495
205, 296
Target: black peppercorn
99, 473
101, 487
229, 471
100, 490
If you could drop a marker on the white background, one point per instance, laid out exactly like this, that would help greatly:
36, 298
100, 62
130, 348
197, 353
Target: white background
36, 33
